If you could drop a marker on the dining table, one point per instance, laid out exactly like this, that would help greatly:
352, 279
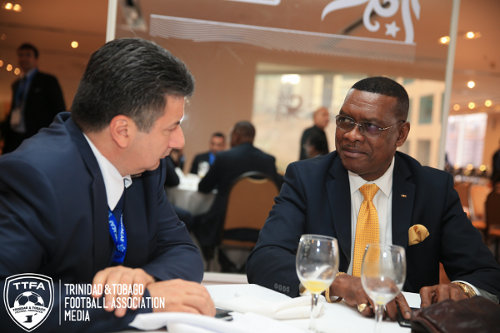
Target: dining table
186, 195
253, 308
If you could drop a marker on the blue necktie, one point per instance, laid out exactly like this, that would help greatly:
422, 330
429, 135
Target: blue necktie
21, 92
117, 231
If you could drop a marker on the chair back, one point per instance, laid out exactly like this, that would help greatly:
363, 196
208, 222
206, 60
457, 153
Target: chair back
478, 195
462, 189
250, 199
492, 210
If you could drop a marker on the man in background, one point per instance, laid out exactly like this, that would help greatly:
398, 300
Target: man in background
321, 118
228, 166
36, 99
216, 144
83, 201
495, 165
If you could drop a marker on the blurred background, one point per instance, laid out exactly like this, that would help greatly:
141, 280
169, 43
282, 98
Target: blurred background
274, 62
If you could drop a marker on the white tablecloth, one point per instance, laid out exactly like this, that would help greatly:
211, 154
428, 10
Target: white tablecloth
336, 317
186, 195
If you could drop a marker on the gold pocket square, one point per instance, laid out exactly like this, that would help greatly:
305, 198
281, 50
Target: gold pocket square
416, 234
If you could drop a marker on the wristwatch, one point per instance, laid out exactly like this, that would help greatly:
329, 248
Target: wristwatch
468, 290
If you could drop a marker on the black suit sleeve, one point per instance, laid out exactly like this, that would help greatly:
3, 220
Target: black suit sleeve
194, 166
463, 252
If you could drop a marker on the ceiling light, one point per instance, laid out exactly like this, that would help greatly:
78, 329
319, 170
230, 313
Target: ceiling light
1, 63
17, 8
456, 107
8, 5
471, 105
444, 40
74, 44
17, 71
9, 67
472, 35
488, 103
471, 84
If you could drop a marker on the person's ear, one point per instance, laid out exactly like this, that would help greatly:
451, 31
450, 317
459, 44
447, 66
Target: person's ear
403, 134
122, 130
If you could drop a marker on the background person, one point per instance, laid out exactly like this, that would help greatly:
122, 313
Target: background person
315, 146
321, 118
216, 144
323, 196
495, 164
228, 166
101, 166
36, 99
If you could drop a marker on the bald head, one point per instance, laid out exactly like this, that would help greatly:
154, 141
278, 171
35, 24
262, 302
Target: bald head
243, 132
321, 117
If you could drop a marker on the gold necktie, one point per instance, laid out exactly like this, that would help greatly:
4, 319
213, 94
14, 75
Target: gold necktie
367, 230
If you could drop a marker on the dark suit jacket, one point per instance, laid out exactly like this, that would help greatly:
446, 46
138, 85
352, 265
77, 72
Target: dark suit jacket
43, 101
315, 199
314, 130
228, 166
54, 221
198, 159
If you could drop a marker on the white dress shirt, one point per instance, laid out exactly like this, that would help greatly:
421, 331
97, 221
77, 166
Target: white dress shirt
113, 181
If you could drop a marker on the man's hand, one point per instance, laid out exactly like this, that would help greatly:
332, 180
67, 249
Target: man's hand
350, 289
183, 296
118, 279
440, 292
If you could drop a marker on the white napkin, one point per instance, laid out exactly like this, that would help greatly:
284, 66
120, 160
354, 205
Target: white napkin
269, 303
191, 323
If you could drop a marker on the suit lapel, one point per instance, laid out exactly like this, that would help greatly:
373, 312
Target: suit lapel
100, 238
403, 197
339, 199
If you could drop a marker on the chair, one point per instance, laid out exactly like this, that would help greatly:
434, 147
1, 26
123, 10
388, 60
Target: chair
462, 189
250, 199
478, 194
492, 208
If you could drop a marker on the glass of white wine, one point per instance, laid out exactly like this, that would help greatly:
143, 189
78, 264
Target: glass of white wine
316, 263
383, 273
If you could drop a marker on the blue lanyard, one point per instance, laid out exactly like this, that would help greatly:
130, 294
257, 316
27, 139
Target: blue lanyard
22, 88
119, 237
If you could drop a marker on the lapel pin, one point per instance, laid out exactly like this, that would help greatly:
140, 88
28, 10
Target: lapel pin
403, 195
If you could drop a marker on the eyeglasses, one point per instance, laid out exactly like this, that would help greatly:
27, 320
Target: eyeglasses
366, 128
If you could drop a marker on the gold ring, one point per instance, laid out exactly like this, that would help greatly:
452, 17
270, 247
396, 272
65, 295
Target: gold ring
362, 307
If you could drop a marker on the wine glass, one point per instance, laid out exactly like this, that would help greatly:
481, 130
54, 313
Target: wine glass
383, 273
203, 168
316, 263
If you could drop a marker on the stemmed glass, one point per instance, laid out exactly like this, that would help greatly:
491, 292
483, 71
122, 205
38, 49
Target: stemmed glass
383, 273
316, 263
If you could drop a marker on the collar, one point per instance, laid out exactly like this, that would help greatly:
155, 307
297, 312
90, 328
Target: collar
114, 183
384, 182
28, 76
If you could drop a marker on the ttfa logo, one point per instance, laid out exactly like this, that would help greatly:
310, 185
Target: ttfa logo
28, 299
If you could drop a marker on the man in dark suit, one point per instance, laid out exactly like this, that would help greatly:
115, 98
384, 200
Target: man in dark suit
323, 196
321, 118
217, 144
228, 166
83, 201
36, 99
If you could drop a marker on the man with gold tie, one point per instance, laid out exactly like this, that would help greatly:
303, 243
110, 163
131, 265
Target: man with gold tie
366, 192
